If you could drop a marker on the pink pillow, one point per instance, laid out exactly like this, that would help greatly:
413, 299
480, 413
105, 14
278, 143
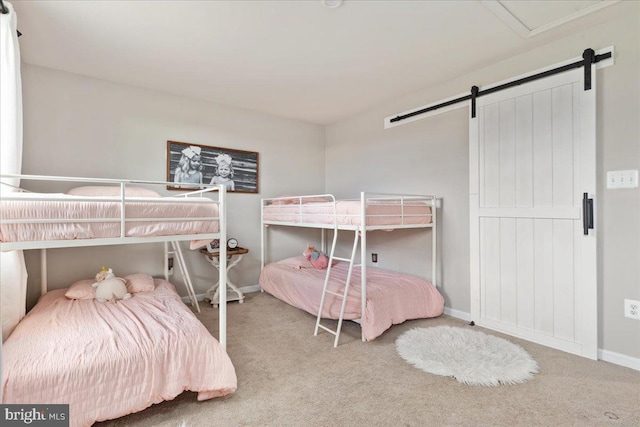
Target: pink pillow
81, 289
111, 191
289, 201
295, 200
300, 262
139, 282
317, 259
316, 200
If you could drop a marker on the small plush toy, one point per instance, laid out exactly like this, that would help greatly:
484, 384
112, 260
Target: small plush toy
109, 287
318, 259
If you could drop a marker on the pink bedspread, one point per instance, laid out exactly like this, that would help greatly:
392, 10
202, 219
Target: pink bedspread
392, 297
348, 212
107, 360
71, 208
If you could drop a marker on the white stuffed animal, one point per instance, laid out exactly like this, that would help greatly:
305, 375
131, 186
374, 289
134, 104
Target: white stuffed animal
109, 287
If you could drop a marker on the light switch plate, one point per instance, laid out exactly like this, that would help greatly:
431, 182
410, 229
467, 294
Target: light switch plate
622, 179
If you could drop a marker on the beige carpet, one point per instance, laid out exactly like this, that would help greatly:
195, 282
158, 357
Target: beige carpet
288, 377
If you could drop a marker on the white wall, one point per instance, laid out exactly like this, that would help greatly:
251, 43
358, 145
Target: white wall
428, 157
86, 127
431, 156
79, 126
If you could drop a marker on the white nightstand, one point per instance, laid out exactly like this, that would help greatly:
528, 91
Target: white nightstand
234, 256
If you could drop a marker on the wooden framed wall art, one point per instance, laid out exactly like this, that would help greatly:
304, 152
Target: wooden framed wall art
189, 166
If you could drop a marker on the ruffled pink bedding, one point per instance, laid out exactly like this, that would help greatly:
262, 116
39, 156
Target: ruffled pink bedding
392, 297
39, 206
348, 212
107, 360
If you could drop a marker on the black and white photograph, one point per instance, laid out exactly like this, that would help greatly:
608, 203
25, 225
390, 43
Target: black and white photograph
190, 166
213, 246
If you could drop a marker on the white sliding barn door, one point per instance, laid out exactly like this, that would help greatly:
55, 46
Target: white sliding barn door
532, 156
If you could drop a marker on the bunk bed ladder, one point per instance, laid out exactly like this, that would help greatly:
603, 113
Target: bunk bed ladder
176, 251
343, 296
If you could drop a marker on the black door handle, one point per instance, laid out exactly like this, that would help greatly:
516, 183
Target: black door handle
587, 213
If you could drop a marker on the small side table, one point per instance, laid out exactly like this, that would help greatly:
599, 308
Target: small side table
234, 256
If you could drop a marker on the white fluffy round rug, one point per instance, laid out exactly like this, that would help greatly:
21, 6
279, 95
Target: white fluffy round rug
471, 357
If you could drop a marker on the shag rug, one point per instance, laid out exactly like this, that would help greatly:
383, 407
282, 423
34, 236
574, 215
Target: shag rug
471, 357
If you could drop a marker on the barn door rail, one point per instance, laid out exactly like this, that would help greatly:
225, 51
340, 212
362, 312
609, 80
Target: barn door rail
588, 57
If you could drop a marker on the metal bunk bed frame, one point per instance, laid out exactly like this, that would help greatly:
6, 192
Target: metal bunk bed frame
360, 232
172, 240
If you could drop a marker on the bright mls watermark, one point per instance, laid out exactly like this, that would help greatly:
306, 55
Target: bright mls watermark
35, 415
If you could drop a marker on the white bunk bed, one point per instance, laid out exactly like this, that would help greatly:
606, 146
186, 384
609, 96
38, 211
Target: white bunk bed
108, 220
373, 211
42, 221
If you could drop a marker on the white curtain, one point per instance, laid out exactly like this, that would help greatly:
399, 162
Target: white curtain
13, 273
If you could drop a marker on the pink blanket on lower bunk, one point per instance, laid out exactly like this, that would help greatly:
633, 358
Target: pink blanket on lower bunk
392, 297
107, 360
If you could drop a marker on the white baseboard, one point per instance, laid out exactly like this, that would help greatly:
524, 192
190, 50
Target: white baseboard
199, 297
462, 315
244, 290
249, 289
604, 355
619, 359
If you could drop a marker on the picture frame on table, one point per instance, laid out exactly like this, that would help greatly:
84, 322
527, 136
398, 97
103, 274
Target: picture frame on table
213, 246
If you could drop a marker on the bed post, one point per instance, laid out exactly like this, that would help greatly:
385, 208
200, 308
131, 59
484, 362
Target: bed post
222, 297
262, 235
434, 242
43, 271
166, 261
363, 258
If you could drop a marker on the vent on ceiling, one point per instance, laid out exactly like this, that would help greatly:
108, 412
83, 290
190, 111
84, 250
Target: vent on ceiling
529, 18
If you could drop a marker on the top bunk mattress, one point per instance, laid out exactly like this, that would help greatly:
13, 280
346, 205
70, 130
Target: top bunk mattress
349, 213
44, 216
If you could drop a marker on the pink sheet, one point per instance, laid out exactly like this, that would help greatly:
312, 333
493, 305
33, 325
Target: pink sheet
107, 360
28, 208
392, 297
348, 212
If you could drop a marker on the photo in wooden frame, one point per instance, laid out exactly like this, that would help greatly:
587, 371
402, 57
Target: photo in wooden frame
213, 246
191, 165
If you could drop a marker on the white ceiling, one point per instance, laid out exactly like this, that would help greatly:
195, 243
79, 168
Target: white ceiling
295, 59
535, 14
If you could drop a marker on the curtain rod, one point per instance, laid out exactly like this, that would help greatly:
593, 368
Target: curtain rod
5, 10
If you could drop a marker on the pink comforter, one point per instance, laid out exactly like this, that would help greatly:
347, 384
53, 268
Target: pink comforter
107, 360
348, 212
392, 297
